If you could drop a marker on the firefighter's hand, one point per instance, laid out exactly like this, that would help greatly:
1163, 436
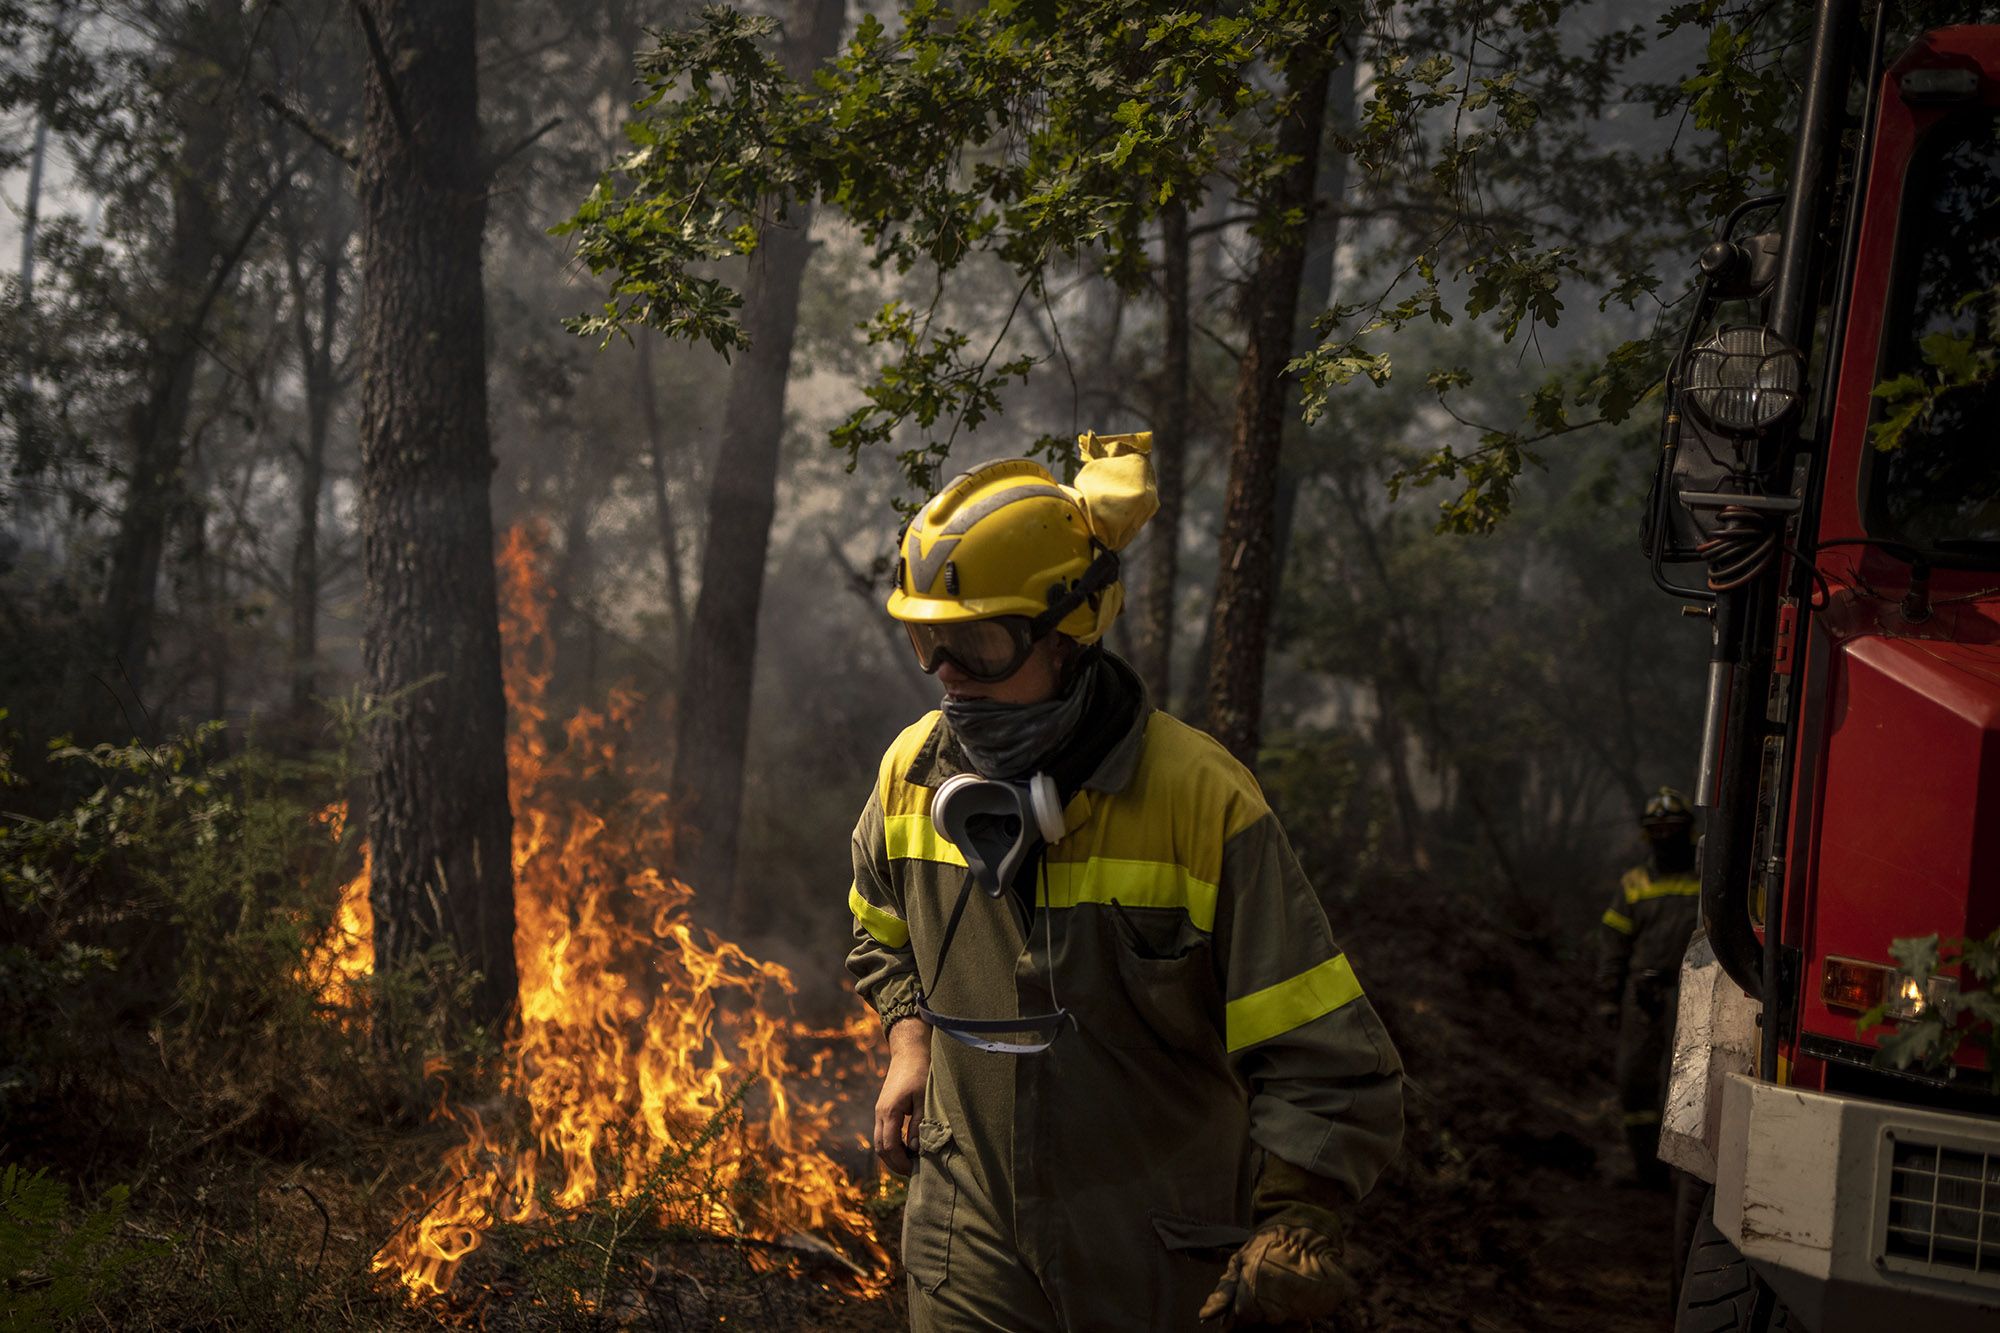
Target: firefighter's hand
1282, 1275
902, 1099
1607, 1014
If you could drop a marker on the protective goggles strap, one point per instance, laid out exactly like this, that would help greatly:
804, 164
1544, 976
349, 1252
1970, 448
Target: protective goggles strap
969, 1030
1102, 573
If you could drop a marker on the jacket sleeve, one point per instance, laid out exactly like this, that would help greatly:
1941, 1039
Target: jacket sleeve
1614, 947
883, 964
1326, 1085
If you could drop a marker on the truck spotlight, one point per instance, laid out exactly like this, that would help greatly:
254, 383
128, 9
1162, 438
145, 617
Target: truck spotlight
1856, 986
1744, 379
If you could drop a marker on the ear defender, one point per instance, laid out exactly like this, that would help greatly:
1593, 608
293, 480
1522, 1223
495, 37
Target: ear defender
1047, 803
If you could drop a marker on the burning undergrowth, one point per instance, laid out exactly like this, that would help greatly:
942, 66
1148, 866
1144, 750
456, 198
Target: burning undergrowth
658, 1078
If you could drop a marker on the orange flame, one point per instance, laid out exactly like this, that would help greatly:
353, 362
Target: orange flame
636, 1028
337, 964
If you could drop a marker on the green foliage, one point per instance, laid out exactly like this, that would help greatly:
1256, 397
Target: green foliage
180, 862
1051, 131
1327, 773
157, 1013
173, 905
712, 171
1956, 362
1511, 699
1968, 1013
1033, 133
56, 1260
1488, 474
929, 378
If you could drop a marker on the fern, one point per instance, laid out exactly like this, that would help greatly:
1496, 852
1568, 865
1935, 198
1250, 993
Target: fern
53, 1264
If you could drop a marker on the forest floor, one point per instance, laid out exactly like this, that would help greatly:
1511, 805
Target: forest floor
1513, 1208
1510, 1211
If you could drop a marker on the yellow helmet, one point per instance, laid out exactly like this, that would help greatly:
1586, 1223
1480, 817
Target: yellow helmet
1008, 539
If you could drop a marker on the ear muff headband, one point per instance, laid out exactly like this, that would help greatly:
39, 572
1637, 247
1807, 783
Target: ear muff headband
1103, 572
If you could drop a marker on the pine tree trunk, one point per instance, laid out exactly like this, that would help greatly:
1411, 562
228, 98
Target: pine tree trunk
1170, 432
157, 424
315, 351
1244, 574
439, 825
714, 714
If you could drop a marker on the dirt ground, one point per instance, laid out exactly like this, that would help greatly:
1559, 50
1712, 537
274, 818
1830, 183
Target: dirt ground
1513, 1206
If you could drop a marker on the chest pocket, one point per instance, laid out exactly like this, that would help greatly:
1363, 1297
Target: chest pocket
1162, 991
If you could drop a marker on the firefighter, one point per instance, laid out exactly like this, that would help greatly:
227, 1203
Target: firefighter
1133, 1080
1645, 932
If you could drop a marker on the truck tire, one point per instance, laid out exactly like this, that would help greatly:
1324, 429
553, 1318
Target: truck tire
1691, 1196
1720, 1294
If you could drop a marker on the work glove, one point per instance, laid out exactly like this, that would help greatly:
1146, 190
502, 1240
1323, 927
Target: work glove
1289, 1270
1282, 1275
1607, 1014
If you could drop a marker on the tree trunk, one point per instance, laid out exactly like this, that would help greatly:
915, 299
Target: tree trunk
439, 826
1391, 743
663, 514
714, 714
38, 151
157, 423
31, 208
1245, 569
1316, 282
1170, 431
315, 351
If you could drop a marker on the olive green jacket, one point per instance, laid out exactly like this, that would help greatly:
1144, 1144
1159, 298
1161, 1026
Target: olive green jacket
1213, 1010
1645, 931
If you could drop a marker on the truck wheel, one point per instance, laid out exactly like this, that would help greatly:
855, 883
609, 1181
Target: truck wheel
1720, 1294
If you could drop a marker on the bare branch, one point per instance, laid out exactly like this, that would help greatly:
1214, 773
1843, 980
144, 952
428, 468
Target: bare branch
508, 154
311, 128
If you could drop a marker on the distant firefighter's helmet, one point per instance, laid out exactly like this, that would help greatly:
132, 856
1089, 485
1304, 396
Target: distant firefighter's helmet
1667, 812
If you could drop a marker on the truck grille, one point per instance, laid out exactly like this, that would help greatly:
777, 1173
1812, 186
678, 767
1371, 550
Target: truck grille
1944, 1208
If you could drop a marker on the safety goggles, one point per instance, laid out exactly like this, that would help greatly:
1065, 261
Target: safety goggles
986, 650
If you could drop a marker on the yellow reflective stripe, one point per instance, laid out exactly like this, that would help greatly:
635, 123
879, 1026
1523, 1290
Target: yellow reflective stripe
1132, 883
1639, 887
884, 926
1634, 1119
897, 796
915, 838
1276, 1010
1618, 921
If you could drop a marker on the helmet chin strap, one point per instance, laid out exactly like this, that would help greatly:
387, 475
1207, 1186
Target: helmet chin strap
990, 822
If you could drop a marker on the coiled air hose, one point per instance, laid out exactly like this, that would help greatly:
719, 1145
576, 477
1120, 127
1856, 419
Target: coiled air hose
1740, 546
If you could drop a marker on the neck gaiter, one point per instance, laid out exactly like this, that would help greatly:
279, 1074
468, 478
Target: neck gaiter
1007, 740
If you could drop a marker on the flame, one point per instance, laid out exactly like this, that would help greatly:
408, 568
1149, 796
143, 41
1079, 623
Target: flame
337, 964
636, 1028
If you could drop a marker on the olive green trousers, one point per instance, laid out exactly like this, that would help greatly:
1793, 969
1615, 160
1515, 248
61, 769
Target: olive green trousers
968, 1271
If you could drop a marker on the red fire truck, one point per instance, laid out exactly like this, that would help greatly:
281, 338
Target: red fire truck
1849, 564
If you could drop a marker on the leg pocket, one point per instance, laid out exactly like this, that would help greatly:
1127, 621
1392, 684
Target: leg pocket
1191, 1257
927, 1216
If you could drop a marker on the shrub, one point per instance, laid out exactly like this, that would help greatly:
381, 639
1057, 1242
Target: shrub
54, 1259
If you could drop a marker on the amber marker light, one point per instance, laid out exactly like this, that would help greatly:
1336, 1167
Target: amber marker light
1853, 985
1856, 986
